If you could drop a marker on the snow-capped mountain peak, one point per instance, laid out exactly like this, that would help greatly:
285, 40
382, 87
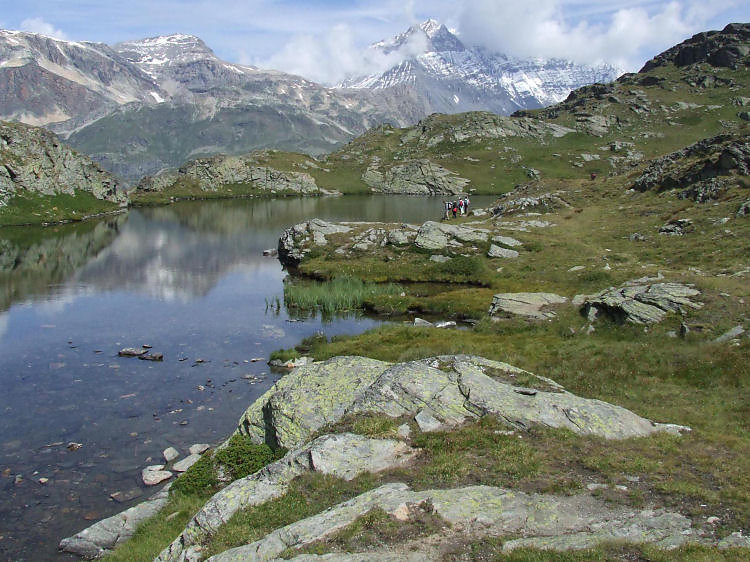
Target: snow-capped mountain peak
447, 77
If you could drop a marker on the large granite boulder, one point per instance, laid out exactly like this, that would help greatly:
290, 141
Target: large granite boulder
450, 389
641, 301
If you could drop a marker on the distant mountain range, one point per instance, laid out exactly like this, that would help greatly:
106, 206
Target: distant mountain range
140, 106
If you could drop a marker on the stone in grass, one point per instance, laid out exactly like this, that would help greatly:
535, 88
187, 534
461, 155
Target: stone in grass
735, 332
199, 448
155, 474
525, 304
185, 463
507, 241
423, 323
170, 454
427, 422
498, 252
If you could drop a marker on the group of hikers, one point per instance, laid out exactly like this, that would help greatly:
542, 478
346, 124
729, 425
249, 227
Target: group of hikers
461, 206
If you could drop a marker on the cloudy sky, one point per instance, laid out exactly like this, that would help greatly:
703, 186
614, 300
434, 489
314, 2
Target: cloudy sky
325, 40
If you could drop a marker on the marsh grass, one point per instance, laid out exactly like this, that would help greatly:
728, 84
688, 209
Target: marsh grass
343, 293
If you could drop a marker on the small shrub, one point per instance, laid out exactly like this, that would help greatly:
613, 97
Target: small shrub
242, 457
198, 479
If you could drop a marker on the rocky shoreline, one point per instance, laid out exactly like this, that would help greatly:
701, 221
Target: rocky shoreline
434, 394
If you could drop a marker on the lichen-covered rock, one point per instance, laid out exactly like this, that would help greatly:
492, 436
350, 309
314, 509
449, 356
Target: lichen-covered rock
209, 174
561, 522
345, 456
641, 301
525, 304
418, 177
296, 241
34, 160
451, 389
101, 537
307, 399
438, 236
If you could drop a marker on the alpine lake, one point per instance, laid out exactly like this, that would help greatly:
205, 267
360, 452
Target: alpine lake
190, 280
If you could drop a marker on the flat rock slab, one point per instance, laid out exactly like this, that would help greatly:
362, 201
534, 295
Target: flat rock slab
451, 389
500, 252
153, 475
641, 301
199, 448
345, 456
170, 454
187, 462
525, 304
564, 521
101, 537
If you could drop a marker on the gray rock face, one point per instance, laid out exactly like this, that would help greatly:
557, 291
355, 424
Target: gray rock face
701, 171
295, 241
344, 456
451, 389
211, 173
418, 177
525, 304
641, 301
729, 47
34, 160
554, 522
103, 536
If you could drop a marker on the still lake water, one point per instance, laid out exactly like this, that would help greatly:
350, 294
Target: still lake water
189, 280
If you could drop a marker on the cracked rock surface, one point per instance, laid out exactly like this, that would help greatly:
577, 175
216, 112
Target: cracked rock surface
641, 301
525, 304
451, 389
344, 456
571, 521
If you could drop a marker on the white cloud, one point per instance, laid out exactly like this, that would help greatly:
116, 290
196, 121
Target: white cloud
625, 34
38, 25
333, 56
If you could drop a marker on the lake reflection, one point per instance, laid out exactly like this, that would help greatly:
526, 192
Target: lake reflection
188, 279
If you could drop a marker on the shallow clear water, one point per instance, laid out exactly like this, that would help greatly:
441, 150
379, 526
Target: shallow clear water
189, 280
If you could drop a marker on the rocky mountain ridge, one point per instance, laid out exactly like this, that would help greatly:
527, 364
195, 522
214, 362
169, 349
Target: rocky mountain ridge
445, 76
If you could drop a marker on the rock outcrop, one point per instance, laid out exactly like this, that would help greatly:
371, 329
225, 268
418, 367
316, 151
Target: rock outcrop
701, 171
438, 236
344, 456
210, 174
450, 389
105, 535
547, 521
524, 199
418, 177
529, 305
296, 242
642, 301
34, 160
728, 48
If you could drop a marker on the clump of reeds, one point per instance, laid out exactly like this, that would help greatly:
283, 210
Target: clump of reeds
339, 295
